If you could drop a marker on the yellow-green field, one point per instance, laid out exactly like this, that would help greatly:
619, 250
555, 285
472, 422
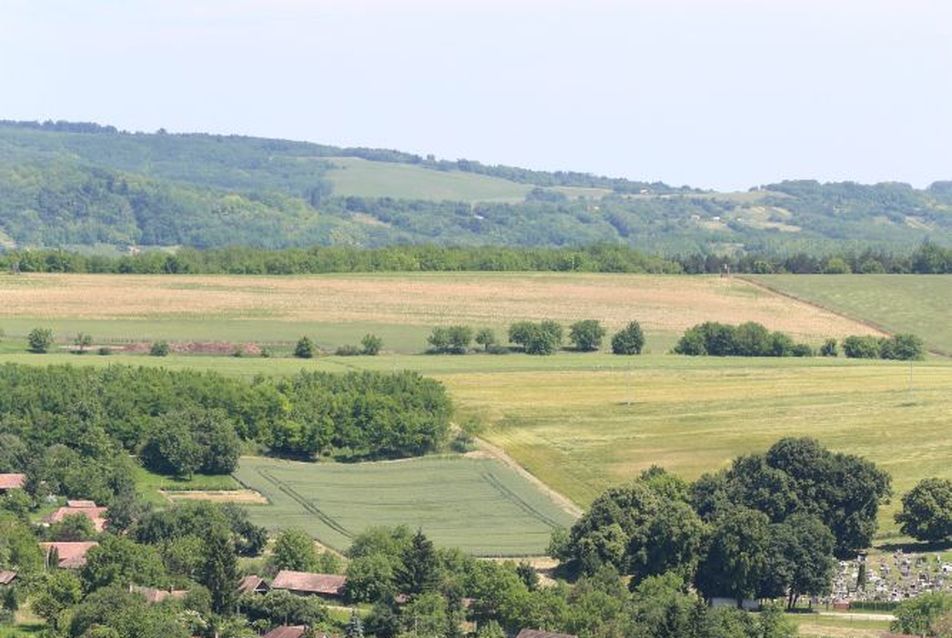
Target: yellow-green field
579, 422
920, 304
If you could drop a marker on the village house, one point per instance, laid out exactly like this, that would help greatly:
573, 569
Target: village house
287, 631
7, 578
154, 596
10, 482
68, 555
329, 586
253, 585
89, 509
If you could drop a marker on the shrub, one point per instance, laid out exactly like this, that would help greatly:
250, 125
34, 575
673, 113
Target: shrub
586, 335
40, 340
903, 347
486, 338
304, 349
629, 340
371, 345
104, 351
159, 349
861, 347
82, 342
541, 338
802, 350
829, 348
347, 351
450, 339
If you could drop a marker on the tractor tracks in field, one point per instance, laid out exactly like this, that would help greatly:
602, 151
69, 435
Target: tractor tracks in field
307, 505
499, 454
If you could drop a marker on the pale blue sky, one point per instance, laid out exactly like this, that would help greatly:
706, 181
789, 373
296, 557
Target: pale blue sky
712, 93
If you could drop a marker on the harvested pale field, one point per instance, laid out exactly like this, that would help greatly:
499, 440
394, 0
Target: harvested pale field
241, 497
661, 303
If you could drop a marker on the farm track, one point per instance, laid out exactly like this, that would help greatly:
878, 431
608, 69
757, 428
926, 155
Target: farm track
563, 502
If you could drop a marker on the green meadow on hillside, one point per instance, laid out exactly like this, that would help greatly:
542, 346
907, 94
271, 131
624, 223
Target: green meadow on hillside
918, 304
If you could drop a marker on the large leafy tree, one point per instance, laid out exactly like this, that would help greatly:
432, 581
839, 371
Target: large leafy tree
737, 557
927, 510
294, 550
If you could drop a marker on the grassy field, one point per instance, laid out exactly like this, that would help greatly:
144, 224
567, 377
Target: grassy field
582, 431
477, 504
363, 178
838, 626
920, 304
401, 308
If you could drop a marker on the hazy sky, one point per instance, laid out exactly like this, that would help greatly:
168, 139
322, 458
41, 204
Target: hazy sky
712, 93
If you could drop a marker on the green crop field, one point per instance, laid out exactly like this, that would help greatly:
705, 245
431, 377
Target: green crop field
920, 304
366, 178
476, 504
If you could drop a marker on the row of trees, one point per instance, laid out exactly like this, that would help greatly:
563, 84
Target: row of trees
767, 527
539, 338
746, 340
928, 258
902, 347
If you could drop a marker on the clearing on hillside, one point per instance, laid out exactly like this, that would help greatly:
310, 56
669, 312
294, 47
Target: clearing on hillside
476, 504
365, 178
920, 304
400, 307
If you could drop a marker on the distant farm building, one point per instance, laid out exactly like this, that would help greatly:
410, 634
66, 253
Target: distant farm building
11, 482
287, 631
253, 585
67, 555
310, 584
89, 509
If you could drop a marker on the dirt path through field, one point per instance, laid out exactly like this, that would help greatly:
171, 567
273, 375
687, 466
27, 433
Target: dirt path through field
500, 455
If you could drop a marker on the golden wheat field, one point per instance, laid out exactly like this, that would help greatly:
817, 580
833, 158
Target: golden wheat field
661, 304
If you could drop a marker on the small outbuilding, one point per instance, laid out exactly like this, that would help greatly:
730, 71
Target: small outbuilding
10, 482
7, 578
253, 585
287, 631
68, 555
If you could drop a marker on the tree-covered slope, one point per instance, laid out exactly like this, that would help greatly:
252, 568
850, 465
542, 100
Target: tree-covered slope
74, 184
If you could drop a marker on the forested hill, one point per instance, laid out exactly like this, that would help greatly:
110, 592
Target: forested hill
84, 185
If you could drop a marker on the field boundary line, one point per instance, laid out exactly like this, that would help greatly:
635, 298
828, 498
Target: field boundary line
865, 322
563, 502
303, 502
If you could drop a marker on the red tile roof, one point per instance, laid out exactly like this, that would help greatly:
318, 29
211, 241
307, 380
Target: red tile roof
286, 631
153, 595
310, 583
12, 481
537, 633
80, 503
95, 514
71, 555
250, 584
7, 577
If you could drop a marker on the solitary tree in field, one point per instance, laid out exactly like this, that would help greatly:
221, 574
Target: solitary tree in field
486, 338
371, 345
587, 335
159, 349
629, 340
304, 349
829, 348
83, 341
40, 340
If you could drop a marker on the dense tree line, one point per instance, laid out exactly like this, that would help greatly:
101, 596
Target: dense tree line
767, 527
928, 258
901, 347
57, 420
536, 338
746, 340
